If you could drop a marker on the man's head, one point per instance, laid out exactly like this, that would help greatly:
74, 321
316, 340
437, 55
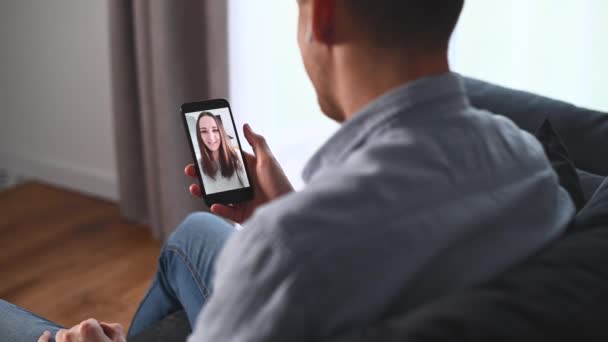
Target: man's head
338, 37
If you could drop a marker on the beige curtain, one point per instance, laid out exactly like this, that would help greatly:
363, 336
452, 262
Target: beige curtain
164, 53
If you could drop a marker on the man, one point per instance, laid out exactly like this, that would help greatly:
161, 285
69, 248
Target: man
416, 196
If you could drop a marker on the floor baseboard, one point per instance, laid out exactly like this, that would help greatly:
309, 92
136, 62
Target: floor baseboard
66, 175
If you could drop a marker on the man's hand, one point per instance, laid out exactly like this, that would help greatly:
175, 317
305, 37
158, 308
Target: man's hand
269, 180
88, 331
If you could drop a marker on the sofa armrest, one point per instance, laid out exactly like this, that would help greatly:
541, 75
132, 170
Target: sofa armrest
584, 131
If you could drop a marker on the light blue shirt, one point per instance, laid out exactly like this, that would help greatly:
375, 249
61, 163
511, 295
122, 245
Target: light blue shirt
418, 195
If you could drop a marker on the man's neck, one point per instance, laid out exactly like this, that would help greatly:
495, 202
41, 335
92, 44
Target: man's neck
365, 77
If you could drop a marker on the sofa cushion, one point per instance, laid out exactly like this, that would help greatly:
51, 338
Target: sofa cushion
584, 131
589, 182
557, 153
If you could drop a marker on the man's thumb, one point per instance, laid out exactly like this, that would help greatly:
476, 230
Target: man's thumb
257, 142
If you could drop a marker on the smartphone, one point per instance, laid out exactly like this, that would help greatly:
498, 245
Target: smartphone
216, 152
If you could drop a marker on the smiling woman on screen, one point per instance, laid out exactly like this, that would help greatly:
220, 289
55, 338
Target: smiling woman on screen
220, 164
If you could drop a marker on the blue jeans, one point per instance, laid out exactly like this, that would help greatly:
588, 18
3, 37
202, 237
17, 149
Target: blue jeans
182, 281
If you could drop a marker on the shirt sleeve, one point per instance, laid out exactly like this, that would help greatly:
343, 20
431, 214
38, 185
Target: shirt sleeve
250, 291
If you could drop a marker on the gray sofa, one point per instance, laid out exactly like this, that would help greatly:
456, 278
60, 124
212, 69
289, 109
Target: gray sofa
559, 294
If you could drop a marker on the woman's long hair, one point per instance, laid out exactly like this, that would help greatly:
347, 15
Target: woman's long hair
229, 161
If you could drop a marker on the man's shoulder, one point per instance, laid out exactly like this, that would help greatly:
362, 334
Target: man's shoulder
503, 132
491, 122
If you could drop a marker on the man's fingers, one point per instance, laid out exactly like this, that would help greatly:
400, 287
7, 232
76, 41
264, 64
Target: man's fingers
60, 335
64, 335
225, 212
90, 330
195, 190
45, 337
190, 171
112, 330
257, 142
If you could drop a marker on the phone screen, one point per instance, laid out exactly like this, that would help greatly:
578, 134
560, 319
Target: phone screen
217, 150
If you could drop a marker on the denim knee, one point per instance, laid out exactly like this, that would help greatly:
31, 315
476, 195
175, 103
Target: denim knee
199, 230
4, 304
18, 324
5, 307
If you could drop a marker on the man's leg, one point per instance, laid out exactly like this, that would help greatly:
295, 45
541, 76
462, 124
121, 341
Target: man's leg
19, 325
185, 271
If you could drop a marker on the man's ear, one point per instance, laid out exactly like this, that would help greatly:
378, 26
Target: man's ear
323, 20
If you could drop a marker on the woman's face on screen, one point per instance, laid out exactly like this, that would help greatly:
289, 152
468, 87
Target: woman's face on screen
210, 134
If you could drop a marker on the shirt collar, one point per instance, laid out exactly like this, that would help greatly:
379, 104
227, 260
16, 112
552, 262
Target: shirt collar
404, 98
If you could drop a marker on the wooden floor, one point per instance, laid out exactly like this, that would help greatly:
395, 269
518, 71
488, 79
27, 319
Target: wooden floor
69, 257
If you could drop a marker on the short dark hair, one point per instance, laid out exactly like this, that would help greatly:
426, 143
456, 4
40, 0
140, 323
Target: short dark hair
425, 24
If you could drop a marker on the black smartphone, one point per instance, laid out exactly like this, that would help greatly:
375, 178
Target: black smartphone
217, 153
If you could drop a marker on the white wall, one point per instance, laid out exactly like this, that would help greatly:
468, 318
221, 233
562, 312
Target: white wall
55, 104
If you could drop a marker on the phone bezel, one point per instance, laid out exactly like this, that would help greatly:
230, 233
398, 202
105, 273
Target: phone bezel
226, 197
